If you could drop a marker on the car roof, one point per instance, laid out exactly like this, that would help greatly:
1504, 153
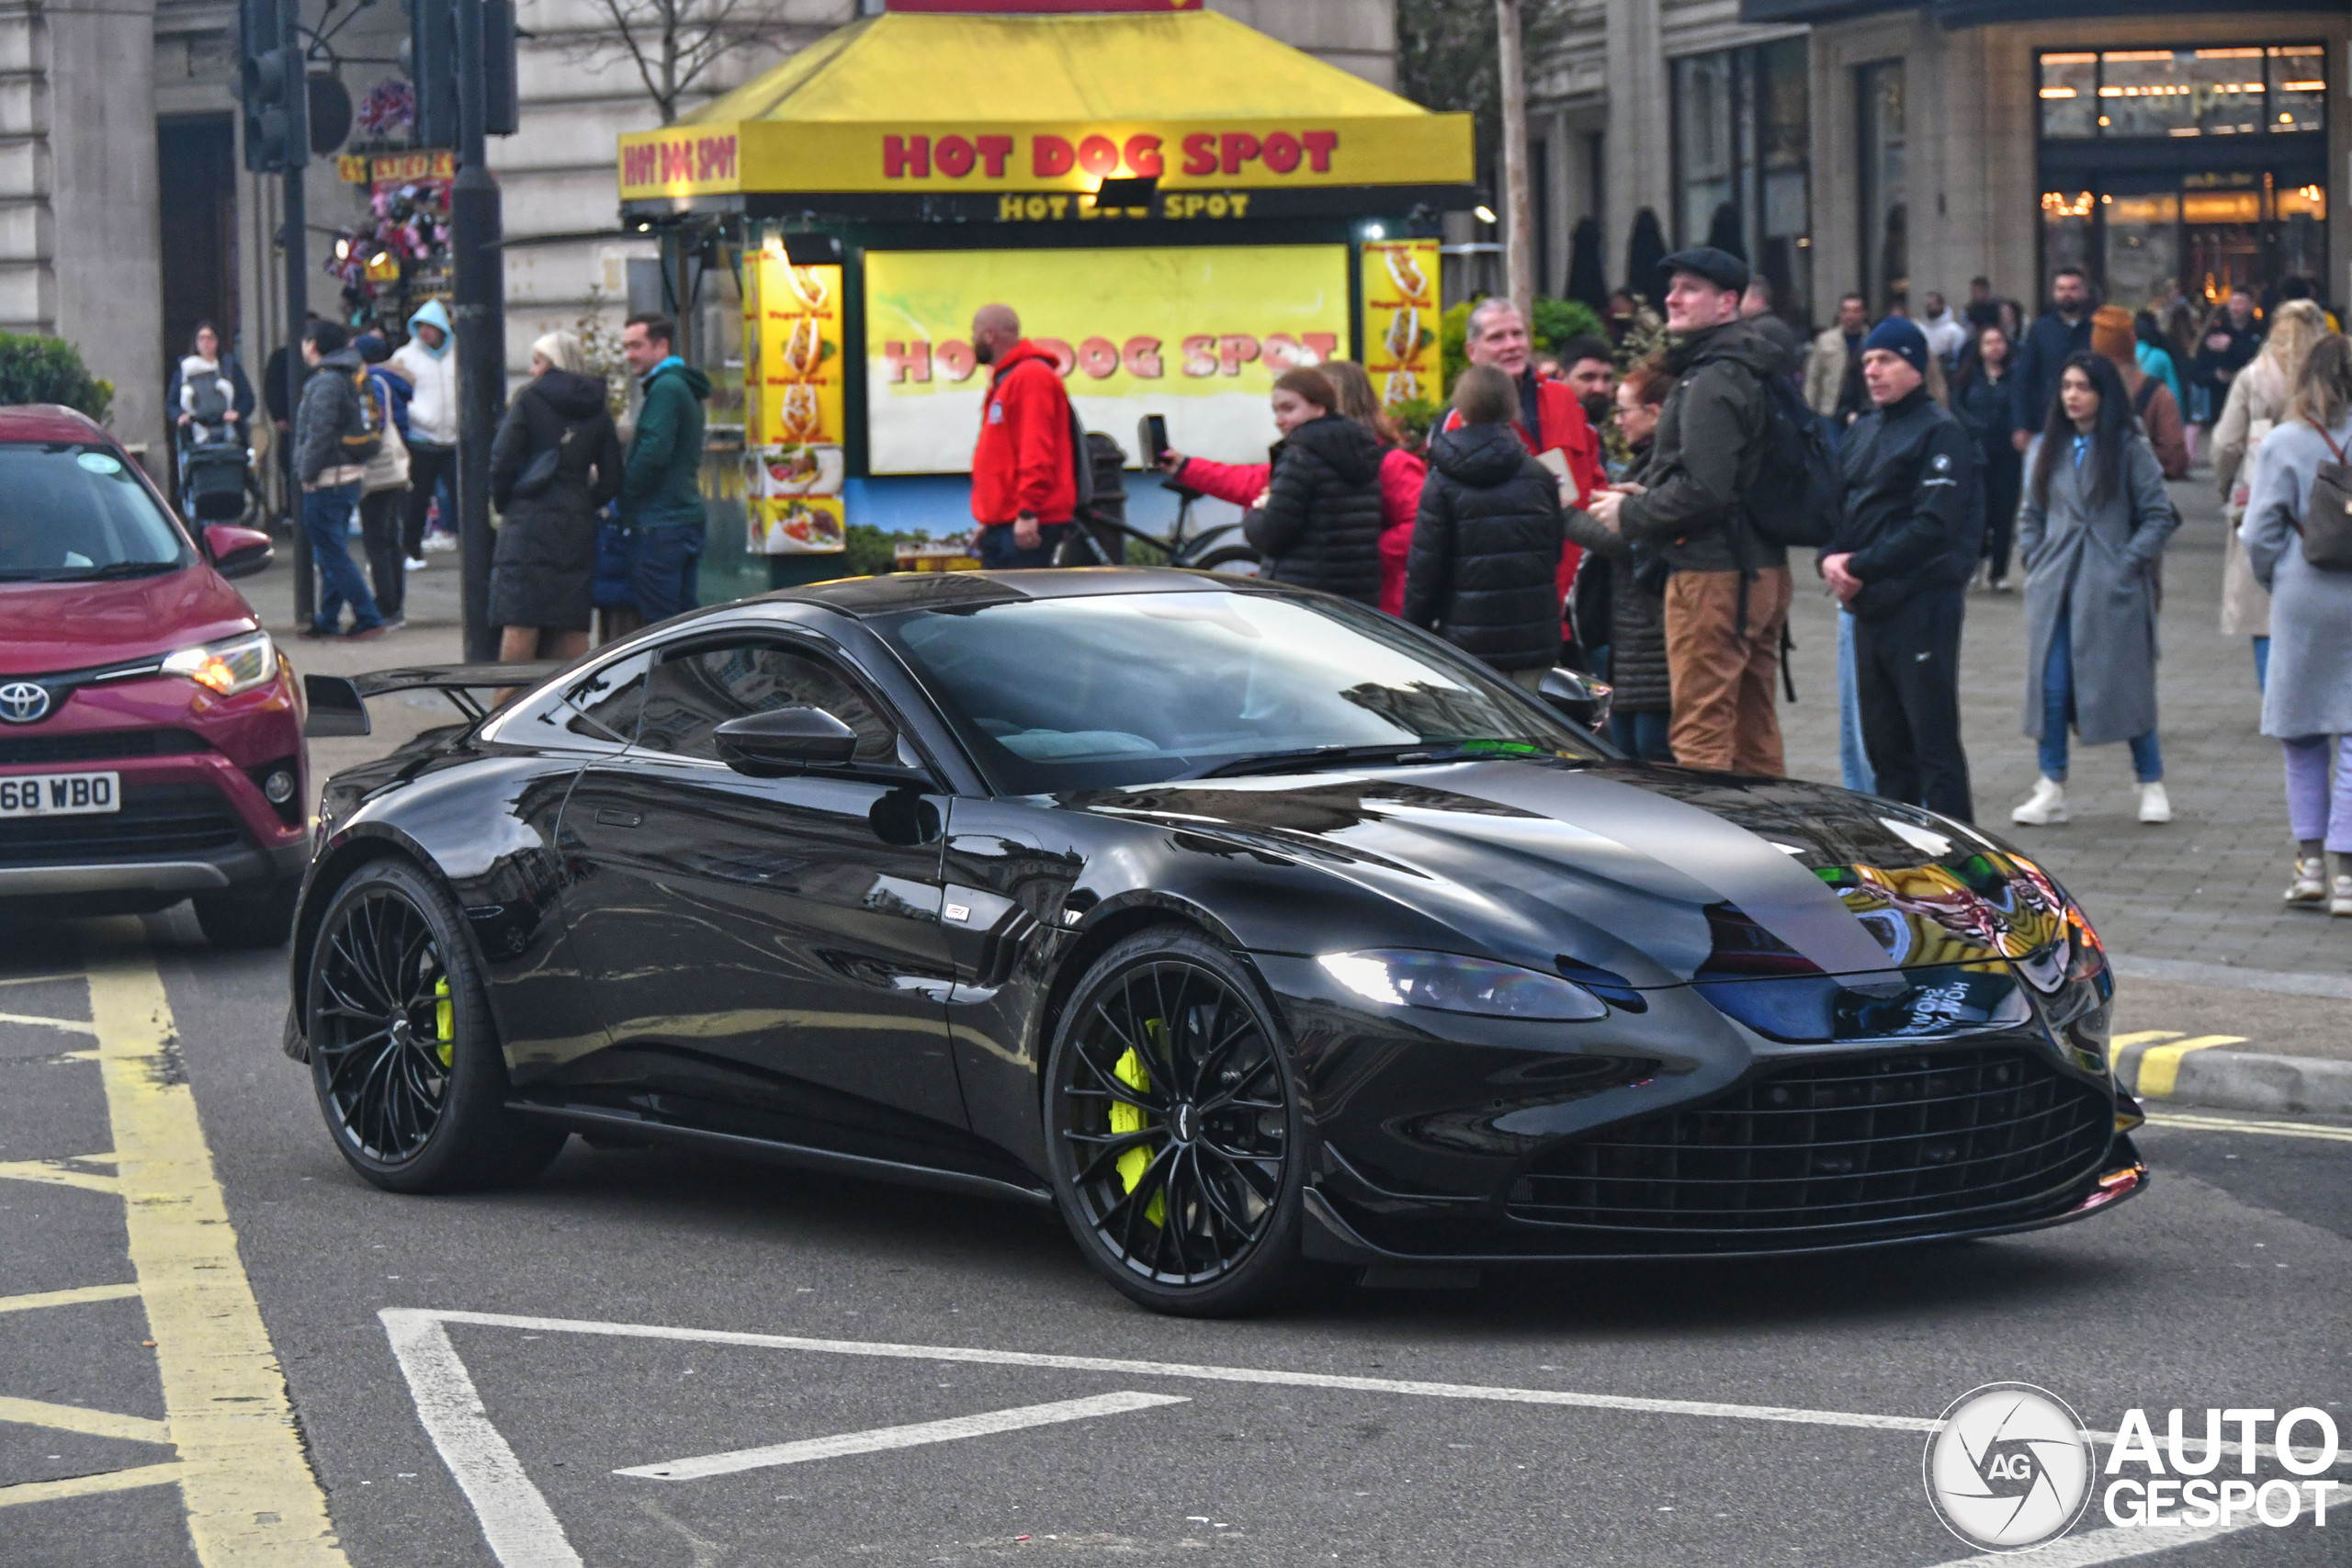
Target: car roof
900, 591
48, 422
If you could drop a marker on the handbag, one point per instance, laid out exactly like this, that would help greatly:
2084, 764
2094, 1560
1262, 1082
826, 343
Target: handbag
540, 471
2327, 525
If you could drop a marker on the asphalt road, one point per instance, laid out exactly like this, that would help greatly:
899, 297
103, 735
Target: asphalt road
1311, 1436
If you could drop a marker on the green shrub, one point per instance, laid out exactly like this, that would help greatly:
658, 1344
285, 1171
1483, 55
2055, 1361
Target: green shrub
1557, 321
50, 370
870, 552
1453, 334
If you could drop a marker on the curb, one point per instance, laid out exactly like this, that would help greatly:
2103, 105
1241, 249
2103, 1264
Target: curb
2204, 1071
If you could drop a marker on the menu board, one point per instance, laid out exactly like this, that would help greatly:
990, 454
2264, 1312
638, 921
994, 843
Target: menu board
1400, 321
793, 407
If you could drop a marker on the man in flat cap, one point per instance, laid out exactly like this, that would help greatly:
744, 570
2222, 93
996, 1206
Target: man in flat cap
1727, 600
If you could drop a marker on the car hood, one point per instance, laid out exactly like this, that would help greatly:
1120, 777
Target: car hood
72, 625
1657, 875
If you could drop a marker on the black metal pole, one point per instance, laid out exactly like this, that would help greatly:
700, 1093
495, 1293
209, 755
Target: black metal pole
480, 288
297, 294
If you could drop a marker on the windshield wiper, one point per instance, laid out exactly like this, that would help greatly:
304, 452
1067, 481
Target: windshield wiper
115, 568
1307, 758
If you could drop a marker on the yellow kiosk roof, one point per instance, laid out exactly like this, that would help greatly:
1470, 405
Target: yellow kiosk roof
920, 105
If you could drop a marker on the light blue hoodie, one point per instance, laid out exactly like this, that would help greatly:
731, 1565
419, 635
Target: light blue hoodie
433, 372
432, 313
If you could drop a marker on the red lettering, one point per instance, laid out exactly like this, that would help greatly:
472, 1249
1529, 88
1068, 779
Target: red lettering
905, 156
1234, 350
638, 167
1051, 156
1320, 145
1282, 353
673, 162
1065, 357
1324, 345
1098, 156
954, 156
1282, 152
1200, 154
994, 151
1098, 357
903, 362
1141, 357
1143, 155
1200, 356
1240, 148
956, 361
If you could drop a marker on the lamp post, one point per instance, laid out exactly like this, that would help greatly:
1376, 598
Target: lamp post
480, 291
1518, 224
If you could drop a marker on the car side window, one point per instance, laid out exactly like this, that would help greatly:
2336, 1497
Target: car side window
689, 695
606, 702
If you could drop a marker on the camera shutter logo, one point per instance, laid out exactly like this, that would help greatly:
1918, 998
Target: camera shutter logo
2008, 1468
22, 702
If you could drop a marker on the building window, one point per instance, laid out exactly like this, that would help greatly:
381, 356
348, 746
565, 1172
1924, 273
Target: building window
2243, 90
1742, 167
1885, 270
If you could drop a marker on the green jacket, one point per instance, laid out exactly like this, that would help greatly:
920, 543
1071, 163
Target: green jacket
660, 483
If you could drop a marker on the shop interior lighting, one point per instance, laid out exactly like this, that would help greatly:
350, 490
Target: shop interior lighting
1484, 213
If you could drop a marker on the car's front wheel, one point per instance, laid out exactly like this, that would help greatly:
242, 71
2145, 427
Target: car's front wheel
403, 1053
1174, 1126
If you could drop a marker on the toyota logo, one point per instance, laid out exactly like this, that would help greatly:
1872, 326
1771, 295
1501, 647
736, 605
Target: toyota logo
22, 702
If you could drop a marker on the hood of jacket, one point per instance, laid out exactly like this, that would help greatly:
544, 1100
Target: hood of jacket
574, 396
1479, 455
696, 381
1352, 451
346, 360
1740, 342
1021, 353
432, 313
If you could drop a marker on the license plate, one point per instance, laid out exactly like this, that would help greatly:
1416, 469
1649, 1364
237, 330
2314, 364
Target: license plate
60, 794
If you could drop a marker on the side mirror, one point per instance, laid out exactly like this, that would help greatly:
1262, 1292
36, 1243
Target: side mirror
783, 740
333, 705
1579, 698
236, 552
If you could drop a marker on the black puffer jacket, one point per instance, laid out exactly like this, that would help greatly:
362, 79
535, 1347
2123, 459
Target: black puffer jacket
1320, 526
1484, 570
1635, 632
543, 570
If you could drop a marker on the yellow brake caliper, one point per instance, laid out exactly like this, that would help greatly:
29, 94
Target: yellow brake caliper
1125, 1118
444, 1033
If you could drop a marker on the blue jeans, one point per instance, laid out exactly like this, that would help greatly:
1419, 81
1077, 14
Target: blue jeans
1853, 757
2262, 664
326, 519
2058, 711
998, 551
1641, 735
662, 562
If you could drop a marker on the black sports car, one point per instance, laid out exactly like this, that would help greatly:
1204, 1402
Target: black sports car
1251, 928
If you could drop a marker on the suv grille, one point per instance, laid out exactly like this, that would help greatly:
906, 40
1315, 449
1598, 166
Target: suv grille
1834, 1151
99, 746
155, 821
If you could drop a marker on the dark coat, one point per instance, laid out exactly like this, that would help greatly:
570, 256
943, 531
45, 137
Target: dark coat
1709, 446
1320, 526
1915, 504
662, 485
1637, 630
544, 568
2244, 342
1485, 566
330, 409
2041, 356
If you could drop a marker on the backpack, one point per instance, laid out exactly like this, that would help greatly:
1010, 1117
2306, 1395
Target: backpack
2326, 523
1797, 494
363, 438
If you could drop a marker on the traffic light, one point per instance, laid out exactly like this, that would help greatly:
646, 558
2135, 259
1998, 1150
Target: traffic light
276, 94
430, 60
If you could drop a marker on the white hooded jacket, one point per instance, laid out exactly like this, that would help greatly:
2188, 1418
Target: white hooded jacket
433, 407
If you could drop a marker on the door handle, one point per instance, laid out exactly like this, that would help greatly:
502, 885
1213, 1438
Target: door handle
611, 817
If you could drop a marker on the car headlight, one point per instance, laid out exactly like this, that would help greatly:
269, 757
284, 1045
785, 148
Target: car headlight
1448, 982
238, 664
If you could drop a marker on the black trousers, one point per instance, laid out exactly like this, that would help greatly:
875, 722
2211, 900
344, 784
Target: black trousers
427, 467
2003, 487
380, 513
1906, 677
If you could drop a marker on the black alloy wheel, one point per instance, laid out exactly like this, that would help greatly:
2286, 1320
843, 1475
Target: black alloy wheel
1174, 1130
403, 1056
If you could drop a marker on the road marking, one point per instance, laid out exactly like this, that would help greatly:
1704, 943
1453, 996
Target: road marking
908, 1436
89, 1422
2106, 1545
249, 1494
2137, 1037
54, 1173
77, 1025
2275, 1129
75, 1297
39, 979
91, 1485
2160, 1064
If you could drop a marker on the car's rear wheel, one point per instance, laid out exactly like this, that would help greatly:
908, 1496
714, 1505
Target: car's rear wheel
403, 1054
262, 916
1173, 1127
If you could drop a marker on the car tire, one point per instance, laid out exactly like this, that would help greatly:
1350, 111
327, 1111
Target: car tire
1233, 560
1199, 1123
249, 918
405, 1054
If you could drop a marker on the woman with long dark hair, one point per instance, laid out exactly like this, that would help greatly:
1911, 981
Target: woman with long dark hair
2091, 530
1980, 396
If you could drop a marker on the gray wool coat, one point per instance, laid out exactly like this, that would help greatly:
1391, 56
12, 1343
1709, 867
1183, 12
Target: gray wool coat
2309, 689
2099, 564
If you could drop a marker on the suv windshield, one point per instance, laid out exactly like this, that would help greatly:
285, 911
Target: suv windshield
1057, 694
75, 512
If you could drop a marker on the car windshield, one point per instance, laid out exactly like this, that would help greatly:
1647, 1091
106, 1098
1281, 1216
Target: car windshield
75, 511
1057, 694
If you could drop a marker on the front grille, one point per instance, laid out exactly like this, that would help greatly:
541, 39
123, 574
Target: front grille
100, 746
157, 821
1833, 1151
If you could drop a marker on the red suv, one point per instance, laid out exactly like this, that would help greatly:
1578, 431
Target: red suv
150, 736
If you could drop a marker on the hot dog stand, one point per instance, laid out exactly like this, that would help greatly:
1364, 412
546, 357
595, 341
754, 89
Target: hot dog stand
1178, 207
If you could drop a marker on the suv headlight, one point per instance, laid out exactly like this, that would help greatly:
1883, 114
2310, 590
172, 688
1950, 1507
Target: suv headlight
1448, 982
226, 668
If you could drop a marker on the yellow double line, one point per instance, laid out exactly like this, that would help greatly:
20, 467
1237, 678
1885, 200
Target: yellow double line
250, 1496
2160, 1064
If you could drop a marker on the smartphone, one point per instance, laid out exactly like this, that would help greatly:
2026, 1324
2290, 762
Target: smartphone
1151, 435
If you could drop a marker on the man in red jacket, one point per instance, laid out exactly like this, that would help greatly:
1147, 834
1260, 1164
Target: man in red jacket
1024, 469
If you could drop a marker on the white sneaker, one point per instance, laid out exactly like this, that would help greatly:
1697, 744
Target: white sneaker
414, 563
2045, 806
2310, 885
2340, 903
439, 542
2154, 805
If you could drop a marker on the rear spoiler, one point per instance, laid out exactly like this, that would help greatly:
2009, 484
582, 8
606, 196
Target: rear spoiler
338, 704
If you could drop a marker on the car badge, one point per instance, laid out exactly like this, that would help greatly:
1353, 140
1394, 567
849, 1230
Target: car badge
23, 702
959, 911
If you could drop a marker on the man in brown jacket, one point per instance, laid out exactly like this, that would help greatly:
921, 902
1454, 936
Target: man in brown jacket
2159, 415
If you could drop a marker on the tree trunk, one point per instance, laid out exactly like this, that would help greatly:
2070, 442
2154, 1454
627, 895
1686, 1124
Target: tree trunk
1519, 221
